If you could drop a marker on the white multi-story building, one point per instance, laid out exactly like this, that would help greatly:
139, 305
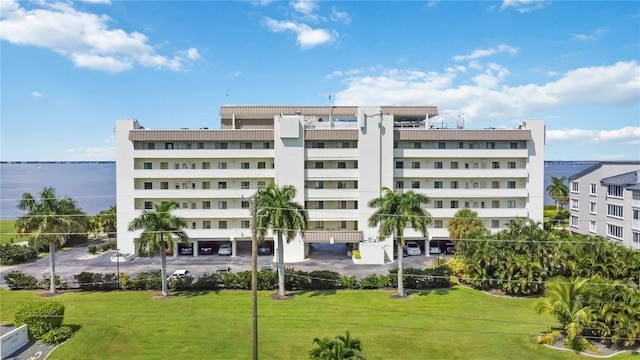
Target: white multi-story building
604, 199
338, 157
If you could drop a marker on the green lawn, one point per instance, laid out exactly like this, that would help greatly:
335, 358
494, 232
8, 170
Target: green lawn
449, 324
7, 230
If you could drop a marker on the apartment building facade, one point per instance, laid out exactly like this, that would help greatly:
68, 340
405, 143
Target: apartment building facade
604, 200
338, 157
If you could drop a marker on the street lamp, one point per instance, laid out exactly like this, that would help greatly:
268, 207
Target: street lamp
118, 267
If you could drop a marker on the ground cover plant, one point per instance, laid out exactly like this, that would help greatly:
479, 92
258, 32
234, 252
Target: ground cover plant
454, 323
8, 232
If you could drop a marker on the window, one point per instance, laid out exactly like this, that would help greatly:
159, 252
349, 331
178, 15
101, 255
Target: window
511, 164
342, 184
575, 204
244, 224
193, 225
454, 184
511, 184
319, 224
460, 145
454, 204
319, 165
575, 187
495, 184
206, 185
222, 224
266, 145
491, 145
185, 205
415, 145
318, 184
593, 189
246, 145
399, 164
200, 145
261, 185
495, 204
193, 166
614, 191
164, 165
206, 165
614, 210
222, 146
437, 165
511, 204
343, 224
222, 165
635, 241
395, 145
342, 164
222, 205
592, 226
342, 145
164, 185
244, 185
176, 166
593, 207
495, 224
244, 165
148, 185
437, 224
437, 184
148, 205
319, 204
399, 184
574, 221
454, 164
206, 224
614, 231
149, 146
342, 204
244, 204
415, 165
206, 204
222, 184
415, 184
442, 145
317, 145
148, 166
495, 165
437, 204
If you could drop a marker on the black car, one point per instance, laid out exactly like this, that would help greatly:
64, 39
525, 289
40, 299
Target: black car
264, 250
186, 251
206, 251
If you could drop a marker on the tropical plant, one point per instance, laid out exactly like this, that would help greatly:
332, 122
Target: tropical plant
567, 300
50, 220
465, 222
558, 191
276, 209
394, 211
105, 222
160, 227
341, 347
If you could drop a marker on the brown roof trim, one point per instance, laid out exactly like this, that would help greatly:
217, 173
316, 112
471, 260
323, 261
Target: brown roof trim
331, 134
200, 135
339, 237
254, 110
410, 110
446, 134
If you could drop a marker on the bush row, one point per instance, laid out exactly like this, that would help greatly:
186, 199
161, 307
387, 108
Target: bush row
295, 280
92, 249
11, 254
17, 280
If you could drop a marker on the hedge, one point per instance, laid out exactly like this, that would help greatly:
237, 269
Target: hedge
11, 254
40, 317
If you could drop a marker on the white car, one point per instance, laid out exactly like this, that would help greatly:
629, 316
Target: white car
178, 274
413, 249
224, 249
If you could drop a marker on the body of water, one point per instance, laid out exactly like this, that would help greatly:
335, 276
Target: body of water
93, 185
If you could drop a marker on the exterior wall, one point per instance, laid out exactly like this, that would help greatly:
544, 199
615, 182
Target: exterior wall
535, 169
125, 185
582, 216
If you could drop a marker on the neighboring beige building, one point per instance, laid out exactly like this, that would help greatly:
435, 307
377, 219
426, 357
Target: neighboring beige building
338, 157
604, 200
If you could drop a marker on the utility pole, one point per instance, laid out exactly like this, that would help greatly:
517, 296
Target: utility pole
254, 274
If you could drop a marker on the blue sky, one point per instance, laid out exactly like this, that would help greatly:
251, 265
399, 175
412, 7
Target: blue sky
70, 69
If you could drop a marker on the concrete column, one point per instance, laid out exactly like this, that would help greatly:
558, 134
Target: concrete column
233, 247
175, 250
195, 248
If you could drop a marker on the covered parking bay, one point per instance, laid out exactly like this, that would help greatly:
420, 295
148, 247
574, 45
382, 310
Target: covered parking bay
331, 244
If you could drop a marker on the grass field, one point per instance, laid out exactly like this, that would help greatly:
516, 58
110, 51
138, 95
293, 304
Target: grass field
456, 323
7, 230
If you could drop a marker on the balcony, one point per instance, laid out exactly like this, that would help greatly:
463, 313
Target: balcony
204, 154
333, 214
204, 174
461, 153
218, 234
193, 193
635, 224
331, 174
461, 173
331, 154
488, 213
476, 193
331, 194
213, 213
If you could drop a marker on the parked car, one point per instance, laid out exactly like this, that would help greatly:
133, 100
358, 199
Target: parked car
264, 250
180, 273
412, 248
434, 249
186, 251
224, 249
223, 270
206, 251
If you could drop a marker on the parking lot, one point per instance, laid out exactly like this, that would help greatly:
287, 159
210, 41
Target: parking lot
77, 260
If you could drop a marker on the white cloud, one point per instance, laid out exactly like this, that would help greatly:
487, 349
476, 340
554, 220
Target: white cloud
480, 53
305, 7
234, 74
340, 16
307, 37
597, 34
432, 3
37, 94
107, 153
523, 6
627, 135
85, 38
109, 139
107, 2
484, 97
262, 2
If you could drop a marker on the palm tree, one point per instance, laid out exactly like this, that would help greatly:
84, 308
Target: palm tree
276, 210
567, 300
352, 346
339, 348
160, 228
50, 220
394, 211
558, 191
465, 222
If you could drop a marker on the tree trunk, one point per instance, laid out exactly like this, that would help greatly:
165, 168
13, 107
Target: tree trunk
280, 265
400, 277
52, 267
163, 261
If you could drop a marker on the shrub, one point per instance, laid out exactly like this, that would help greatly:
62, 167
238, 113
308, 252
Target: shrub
45, 283
323, 280
104, 247
370, 282
125, 280
113, 245
208, 282
267, 280
349, 282
457, 266
356, 254
92, 249
19, 280
383, 281
417, 279
147, 280
56, 336
11, 254
40, 317
181, 284
295, 280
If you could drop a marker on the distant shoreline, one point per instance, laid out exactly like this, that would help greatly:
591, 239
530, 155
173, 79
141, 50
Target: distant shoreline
57, 162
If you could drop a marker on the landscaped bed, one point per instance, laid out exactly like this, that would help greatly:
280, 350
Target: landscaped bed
453, 323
